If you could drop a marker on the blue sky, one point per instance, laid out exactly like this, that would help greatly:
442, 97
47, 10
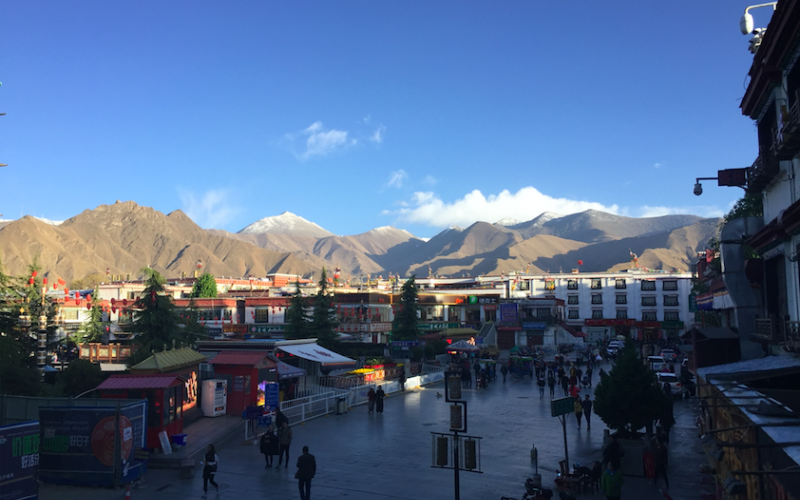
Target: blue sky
359, 114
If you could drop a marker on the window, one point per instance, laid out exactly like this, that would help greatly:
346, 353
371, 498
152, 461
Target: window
671, 285
597, 298
622, 299
549, 284
597, 283
70, 313
649, 301
572, 299
525, 285
620, 284
597, 314
671, 316
572, 285
542, 312
622, 314
262, 315
131, 295
670, 300
649, 316
573, 314
648, 286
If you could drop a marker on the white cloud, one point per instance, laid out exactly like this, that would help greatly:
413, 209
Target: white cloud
657, 165
429, 180
428, 209
396, 178
377, 137
210, 210
316, 140
703, 211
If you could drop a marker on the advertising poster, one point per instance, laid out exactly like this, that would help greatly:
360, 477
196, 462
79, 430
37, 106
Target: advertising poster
19, 460
84, 445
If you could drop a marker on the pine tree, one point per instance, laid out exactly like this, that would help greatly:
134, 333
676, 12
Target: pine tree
192, 327
18, 374
92, 330
628, 397
324, 322
205, 286
297, 321
404, 326
156, 319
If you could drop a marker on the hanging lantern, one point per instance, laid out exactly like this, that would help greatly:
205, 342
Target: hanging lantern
114, 310
88, 305
30, 281
55, 286
124, 302
44, 281
66, 291
580, 262
89, 298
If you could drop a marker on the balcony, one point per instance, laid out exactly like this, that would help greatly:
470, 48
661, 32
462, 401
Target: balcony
763, 170
787, 143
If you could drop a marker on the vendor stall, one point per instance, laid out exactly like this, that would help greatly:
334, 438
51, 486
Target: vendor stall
184, 362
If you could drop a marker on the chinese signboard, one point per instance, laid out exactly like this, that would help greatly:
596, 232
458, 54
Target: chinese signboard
534, 325
19, 460
264, 329
234, 328
476, 299
436, 326
562, 406
508, 314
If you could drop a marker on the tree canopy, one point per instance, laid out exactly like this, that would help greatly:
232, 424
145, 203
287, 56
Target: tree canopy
92, 330
324, 322
628, 397
297, 320
404, 326
205, 286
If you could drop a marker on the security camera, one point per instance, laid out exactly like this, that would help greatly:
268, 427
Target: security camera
698, 189
746, 23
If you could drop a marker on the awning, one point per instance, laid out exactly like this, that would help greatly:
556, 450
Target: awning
314, 352
288, 371
119, 382
462, 345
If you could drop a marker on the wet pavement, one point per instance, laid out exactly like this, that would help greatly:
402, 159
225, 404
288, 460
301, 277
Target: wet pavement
388, 456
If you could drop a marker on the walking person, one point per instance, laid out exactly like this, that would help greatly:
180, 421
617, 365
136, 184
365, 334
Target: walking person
611, 483
210, 463
587, 411
667, 420
661, 464
269, 446
565, 384
504, 371
403, 381
379, 395
280, 418
370, 400
577, 406
589, 371
285, 441
541, 383
612, 454
551, 382
477, 369
306, 468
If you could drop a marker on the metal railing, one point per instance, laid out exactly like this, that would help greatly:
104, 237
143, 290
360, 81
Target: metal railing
306, 408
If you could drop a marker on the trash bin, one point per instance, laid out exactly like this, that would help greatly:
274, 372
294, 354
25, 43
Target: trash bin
179, 439
341, 405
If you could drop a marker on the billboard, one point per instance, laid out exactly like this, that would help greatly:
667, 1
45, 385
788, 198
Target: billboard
508, 314
92, 445
19, 460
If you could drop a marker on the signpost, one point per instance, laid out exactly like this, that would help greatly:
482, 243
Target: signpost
442, 442
561, 408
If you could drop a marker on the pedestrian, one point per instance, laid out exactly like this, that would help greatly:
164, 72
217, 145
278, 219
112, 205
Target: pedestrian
370, 400
565, 384
587, 411
577, 406
551, 382
589, 372
284, 440
210, 468
612, 454
667, 420
540, 381
306, 468
611, 483
477, 369
504, 371
403, 381
466, 378
574, 391
661, 464
379, 395
269, 446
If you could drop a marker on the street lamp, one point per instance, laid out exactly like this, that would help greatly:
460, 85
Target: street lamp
729, 177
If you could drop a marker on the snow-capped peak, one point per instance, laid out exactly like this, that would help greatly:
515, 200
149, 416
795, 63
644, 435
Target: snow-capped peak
507, 221
390, 230
286, 223
48, 221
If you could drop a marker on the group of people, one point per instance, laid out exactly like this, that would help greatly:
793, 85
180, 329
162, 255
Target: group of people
375, 400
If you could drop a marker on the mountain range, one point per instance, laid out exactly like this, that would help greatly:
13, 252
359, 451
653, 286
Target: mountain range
124, 237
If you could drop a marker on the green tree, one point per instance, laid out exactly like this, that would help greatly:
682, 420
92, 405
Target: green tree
404, 326
324, 321
80, 376
92, 330
192, 325
749, 205
628, 397
156, 320
297, 320
205, 286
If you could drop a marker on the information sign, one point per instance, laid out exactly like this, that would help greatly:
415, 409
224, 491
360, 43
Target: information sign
453, 387
271, 395
562, 406
142, 454
19, 460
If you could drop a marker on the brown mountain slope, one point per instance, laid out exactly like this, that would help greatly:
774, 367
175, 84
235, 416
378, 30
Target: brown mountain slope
125, 237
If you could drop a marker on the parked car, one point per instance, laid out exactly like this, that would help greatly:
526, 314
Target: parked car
669, 355
656, 363
673, 381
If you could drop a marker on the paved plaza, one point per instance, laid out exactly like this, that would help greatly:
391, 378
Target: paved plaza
361, 456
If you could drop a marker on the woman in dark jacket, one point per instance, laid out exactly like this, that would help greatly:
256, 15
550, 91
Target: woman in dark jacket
269, 446
379, 395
